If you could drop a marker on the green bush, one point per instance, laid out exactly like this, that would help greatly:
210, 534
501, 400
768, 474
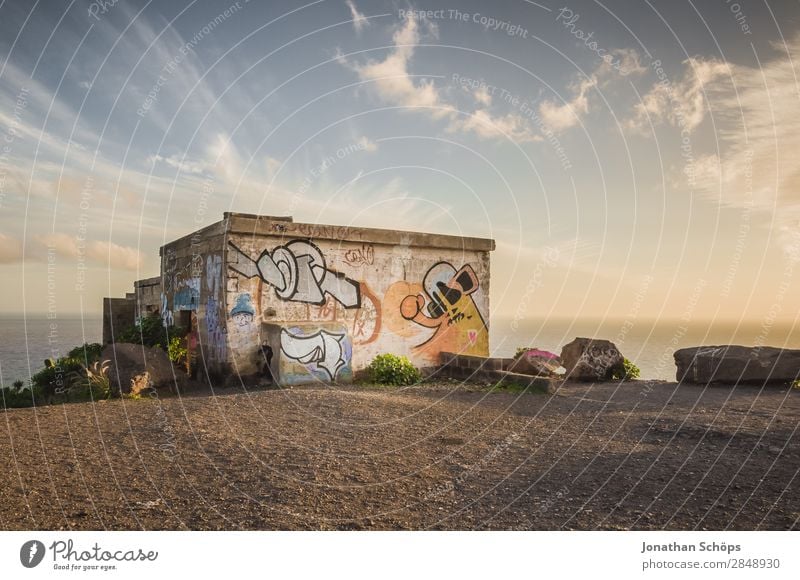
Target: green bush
630, 372
58, 377
150, 331
390, 369
176, 350
89, 352
14, 398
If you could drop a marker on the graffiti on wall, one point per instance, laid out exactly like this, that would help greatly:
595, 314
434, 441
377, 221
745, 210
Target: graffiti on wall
187, 294
181, 285
215, 331
243, 312
363, 256
444, 303
323, 350
167, 318
366, 323
213, 274
215, 324
298, 273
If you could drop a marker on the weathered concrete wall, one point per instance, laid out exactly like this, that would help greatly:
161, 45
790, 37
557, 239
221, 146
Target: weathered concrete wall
357, 291
193, 281
118, 314
147, 294
410, 294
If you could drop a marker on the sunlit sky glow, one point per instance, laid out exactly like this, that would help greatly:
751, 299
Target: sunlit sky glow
652, 166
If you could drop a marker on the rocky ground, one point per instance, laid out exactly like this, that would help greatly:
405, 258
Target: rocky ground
441, 456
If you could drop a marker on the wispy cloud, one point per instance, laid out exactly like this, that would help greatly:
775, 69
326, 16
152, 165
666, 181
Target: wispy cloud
359, 20
392, 82
756, 116
10, 249
681, 103
179, 163
100, 253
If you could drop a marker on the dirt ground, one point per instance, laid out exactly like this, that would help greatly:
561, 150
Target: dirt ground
440, 456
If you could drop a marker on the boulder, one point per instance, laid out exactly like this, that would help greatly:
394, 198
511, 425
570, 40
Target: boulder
136, 368
536, 362
590, 359
737, 364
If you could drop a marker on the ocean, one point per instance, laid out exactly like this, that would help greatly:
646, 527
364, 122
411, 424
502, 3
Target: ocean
26, 343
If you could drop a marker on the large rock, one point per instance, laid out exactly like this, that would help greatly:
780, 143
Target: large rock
737, 364
537, 363
590, 359
136, 368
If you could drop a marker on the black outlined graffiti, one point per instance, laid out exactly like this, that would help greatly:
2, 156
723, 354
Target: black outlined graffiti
323, 348
298, 273
447, 305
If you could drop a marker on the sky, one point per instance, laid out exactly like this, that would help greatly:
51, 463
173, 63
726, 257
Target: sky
629, 158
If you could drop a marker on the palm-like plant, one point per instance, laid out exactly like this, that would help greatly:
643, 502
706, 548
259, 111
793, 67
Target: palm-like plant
98, 381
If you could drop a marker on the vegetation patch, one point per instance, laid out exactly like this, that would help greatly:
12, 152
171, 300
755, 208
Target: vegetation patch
390, 369
630, 372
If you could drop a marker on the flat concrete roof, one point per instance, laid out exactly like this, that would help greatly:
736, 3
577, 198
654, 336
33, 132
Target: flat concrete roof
261, 225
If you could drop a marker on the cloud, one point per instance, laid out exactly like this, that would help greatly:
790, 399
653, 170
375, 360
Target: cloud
107, 254
366, 144
558, 117
10, 249
483, 124
682, 103
114, 256
625, 61
482, 95
359, 20
391, 81
756, 115
180, 164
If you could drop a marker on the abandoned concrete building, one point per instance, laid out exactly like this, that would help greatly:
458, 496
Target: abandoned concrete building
305, 302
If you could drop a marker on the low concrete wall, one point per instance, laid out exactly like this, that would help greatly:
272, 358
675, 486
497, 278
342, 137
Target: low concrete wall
478, 368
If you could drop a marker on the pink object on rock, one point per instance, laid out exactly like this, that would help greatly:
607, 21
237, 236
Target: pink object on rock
540, 353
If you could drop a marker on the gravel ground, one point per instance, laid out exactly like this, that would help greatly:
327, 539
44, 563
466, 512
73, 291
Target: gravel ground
440, 456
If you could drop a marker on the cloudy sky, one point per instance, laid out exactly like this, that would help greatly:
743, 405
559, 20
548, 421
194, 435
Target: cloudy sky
624, 155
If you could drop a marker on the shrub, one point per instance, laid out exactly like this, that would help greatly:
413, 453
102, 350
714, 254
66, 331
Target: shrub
390, 369
58, 376
176, 350
11, 397
630, 372
90, 382
150, 331
89, 352
97, 383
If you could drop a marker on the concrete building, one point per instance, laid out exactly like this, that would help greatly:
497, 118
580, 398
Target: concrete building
267, 296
